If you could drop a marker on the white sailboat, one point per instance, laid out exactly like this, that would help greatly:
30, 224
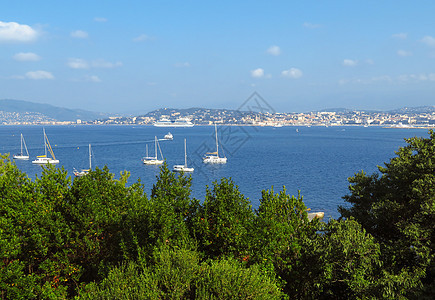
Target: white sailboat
169, 136
153, 160
183, 168
213, 157
21, 154
85, 171
44, 159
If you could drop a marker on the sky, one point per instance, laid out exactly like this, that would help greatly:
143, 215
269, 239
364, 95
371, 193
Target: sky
131, 57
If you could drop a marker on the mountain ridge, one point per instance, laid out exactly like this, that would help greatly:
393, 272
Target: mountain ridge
51, 111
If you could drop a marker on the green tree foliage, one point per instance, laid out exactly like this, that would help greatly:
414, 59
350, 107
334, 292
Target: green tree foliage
398, 209
227, 279
179, 274
279, 236
346, 263
97, 210
224, 222
33, 234
172, 209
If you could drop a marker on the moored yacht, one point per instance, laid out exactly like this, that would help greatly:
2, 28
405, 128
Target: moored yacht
183, 168
85, 171
213, 157
21, 155
44, 159
153, 160
169, 136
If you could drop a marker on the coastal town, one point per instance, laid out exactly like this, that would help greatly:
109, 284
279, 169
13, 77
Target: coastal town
406, 117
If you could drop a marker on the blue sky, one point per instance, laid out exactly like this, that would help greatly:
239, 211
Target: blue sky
136, 56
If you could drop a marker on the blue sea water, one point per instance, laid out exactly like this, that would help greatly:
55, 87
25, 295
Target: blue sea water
316, 161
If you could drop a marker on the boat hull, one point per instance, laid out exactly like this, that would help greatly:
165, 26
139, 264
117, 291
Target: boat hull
21, 157
45, 161
81, 173
214, 160
153, 162
182, 168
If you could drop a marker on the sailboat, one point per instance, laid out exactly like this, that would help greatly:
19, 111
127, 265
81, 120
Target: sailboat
169, 136
213, 157
183, 168
21, 154
85, 171
152, 160
44, 159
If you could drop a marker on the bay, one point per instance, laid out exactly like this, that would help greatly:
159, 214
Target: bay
316, 161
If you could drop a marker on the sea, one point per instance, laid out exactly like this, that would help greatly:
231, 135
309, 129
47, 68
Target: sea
314, 162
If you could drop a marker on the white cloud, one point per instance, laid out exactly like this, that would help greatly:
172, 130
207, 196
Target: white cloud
182, 65
403, 77
101, 63
292, 73
142, 38
404, 53
14, 32
274, 50
257, 73
373, 80
101, 20
401, 35
78, 63
429, 40
311, 25
93, 78
28, 56
350, 63
39, 75
384, 78
417, 77
79, 34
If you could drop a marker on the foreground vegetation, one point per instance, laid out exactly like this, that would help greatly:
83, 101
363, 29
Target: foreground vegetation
98, 238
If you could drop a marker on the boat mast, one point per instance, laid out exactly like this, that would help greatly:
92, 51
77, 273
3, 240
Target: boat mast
90, 158
45, 143
21, 144
25, 146
217, 146
160, 149
155, 145
185, 154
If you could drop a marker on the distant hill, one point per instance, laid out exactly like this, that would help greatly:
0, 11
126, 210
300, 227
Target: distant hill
403, 110
52, 112
414, 110
183, 112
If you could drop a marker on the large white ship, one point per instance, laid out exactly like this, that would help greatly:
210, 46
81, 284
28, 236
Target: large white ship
180, 122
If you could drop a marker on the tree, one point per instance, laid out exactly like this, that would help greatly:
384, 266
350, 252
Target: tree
279, 235
224, 222
178, 274
172, 209
99, 211
345, 263
398, 209
34, 260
